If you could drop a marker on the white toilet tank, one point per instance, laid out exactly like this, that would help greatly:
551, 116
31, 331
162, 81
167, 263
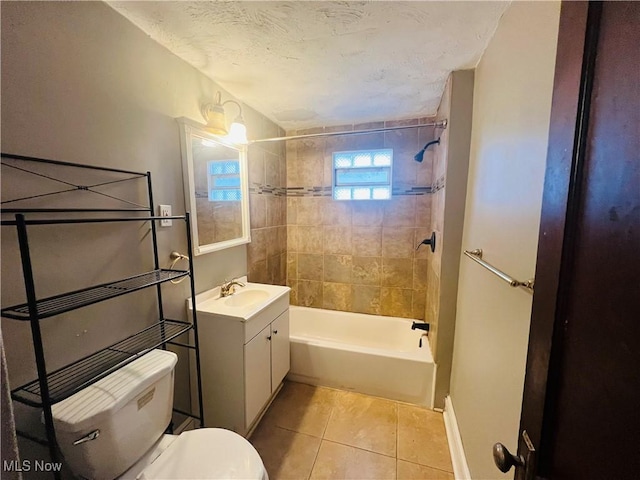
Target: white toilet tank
117, 419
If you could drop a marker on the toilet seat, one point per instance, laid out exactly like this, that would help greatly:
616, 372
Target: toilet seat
207, 453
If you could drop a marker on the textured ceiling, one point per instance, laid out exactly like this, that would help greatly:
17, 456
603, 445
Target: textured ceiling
307, 64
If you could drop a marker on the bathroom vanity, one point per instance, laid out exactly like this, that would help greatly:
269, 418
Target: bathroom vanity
244, 351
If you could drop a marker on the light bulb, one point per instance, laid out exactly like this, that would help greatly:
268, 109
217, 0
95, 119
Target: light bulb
238, 133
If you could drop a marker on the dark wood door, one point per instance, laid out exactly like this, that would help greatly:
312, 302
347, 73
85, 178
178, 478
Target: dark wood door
581, 405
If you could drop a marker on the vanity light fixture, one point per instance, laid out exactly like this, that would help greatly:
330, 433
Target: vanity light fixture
217, 121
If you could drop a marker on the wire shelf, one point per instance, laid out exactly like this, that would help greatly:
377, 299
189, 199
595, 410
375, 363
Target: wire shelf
66, 302
74, 377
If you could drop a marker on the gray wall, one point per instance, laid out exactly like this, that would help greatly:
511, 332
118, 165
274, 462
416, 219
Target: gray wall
511, 108
80, 83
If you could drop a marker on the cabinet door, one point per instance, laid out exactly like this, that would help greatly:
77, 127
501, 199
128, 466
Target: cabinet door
257, 374
280, 354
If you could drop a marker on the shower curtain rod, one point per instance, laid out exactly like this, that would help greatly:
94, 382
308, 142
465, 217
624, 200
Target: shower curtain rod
441, 124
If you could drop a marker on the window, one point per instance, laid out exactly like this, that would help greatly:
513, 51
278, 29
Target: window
362, 175
223, 180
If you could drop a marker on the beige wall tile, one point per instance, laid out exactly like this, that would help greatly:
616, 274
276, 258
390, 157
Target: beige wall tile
292, 266
366, 241
423, 211
353, 231
336, 212
396, 302
258, 272
310, 293
400, 211
282, 239
273, 246
272, 170
310, 266
366, 299
420, 274
397, 272
337, 268
424, 170
292, 210
273, 210
418, 304
274, 273
310, 211
257, 249
310, 162
337, 239
336, 296
398, 242
310, 239
292, 163
366, 270
367, 141
368, 214
292, 238
256, 167
293, 294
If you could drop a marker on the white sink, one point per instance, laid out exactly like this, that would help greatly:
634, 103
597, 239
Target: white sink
246, 298
247, 302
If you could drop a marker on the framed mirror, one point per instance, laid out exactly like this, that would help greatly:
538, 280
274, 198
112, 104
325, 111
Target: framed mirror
216, 189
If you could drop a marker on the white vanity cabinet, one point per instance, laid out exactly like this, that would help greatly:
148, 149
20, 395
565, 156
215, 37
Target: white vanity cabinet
243, 358
266, 361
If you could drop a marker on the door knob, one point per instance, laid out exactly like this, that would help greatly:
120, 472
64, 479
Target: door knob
504, 459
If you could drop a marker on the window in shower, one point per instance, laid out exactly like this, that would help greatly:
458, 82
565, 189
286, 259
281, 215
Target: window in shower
362, 174
223, 180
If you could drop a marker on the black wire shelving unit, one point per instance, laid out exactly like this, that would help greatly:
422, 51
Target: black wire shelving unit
51, 387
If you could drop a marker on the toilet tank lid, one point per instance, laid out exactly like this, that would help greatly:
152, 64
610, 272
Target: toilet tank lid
90, 406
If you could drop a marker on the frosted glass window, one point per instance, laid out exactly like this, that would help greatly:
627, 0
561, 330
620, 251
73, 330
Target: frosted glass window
362, 175
223, 181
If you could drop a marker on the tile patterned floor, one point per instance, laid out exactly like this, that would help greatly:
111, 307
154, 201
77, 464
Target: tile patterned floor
320, 433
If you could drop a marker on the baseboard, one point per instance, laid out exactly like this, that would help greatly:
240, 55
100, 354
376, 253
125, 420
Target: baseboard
460, 467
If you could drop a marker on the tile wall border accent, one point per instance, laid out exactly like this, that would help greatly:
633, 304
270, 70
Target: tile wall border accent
326, 191
259, 189
438, 185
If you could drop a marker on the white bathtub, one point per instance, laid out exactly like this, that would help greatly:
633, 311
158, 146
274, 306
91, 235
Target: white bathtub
365, 353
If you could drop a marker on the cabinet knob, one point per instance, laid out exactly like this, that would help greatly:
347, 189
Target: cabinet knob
275, 332
269, 337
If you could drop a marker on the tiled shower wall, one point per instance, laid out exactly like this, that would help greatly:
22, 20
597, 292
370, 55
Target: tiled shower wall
266, 254
359, 256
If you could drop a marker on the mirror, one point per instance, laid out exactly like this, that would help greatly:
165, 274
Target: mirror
216, 189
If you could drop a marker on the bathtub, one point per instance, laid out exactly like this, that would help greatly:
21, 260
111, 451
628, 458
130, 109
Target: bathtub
364, 353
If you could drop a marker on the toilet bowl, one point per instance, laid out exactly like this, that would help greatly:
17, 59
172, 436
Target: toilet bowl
198, 454
115, 429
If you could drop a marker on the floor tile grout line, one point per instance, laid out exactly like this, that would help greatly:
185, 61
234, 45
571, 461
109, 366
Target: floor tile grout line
397, 435
313, 465
358, 448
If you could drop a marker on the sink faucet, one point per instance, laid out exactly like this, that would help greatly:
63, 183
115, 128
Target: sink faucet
229, 288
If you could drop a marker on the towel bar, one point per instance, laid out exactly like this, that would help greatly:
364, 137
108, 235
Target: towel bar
476, 256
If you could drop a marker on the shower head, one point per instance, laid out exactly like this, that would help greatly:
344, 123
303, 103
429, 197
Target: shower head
420, 155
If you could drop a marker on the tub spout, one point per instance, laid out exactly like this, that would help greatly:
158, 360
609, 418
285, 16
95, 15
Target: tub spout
420, 326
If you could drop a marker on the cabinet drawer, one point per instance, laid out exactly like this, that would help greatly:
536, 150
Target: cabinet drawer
254, 325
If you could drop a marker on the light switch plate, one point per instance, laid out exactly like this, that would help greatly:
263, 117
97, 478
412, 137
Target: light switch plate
165, 211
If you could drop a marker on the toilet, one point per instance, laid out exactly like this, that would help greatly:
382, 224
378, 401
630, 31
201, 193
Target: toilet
115, 429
